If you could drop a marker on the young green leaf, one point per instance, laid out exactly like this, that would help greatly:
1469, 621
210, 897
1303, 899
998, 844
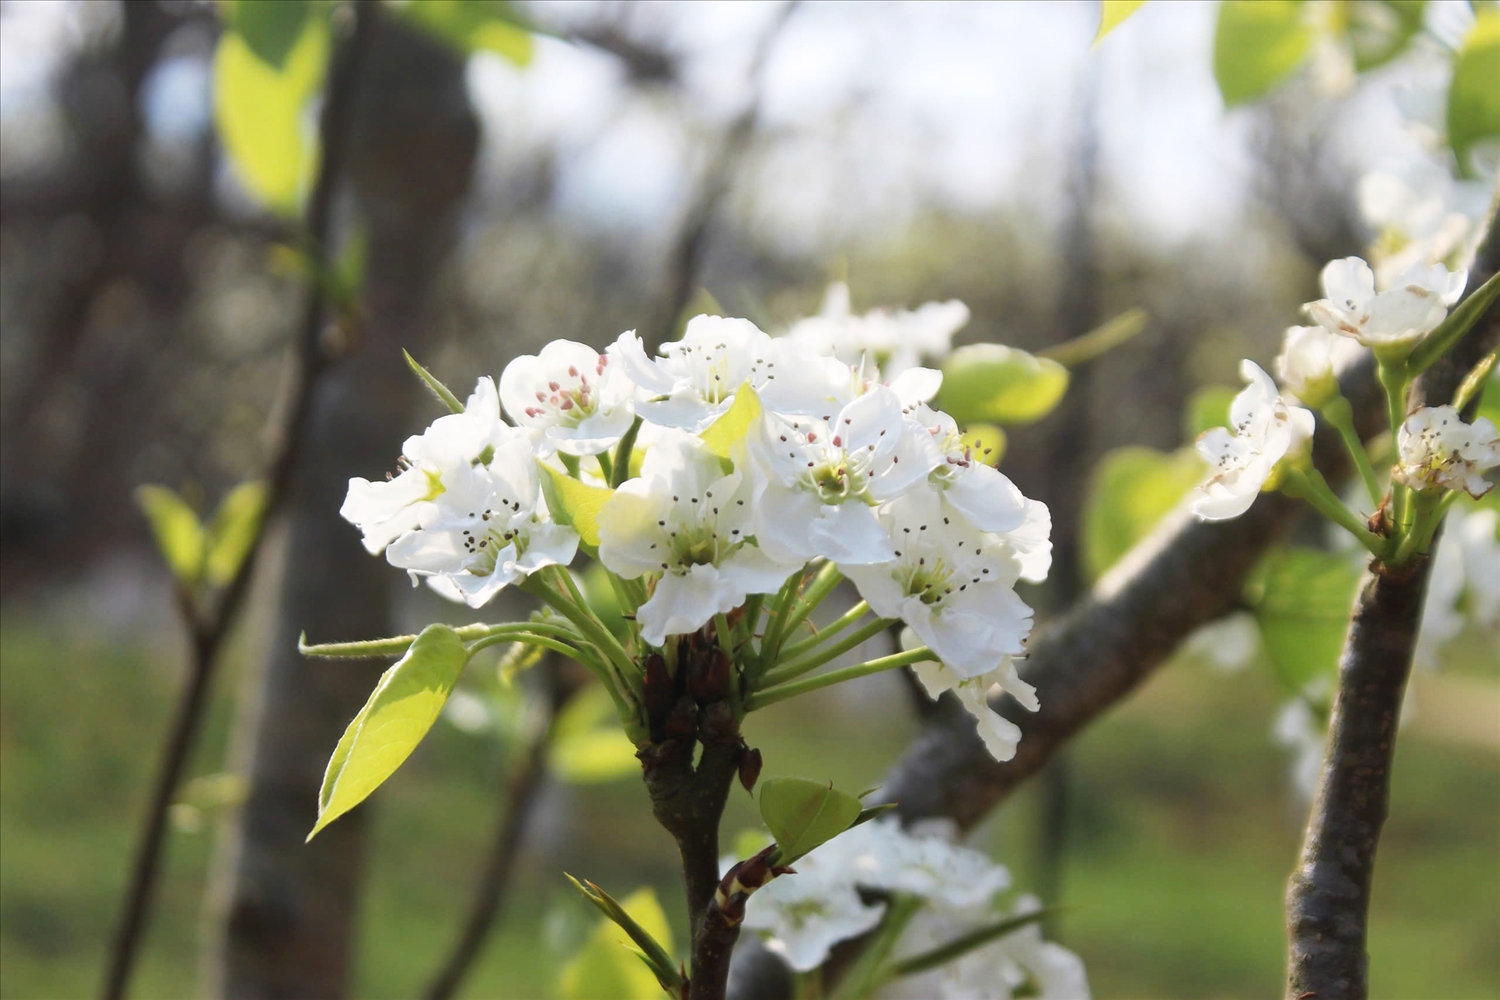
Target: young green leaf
178, 532
1301, 598
1474, 94
1380, 30
475, 26
1206, 408
403, 706
989, 382
233, 531
1257, 45
574, 502
1113, 12
730, 429
605, 968
269, 27
1130, 491
588, 747
801, 814
259, 111
441, 391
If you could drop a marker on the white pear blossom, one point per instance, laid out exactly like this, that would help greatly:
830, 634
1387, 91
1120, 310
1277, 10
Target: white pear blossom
488, 529
1437, 450
695, 379
881, 854
999, 735
688, 520
950, 582
892, 340
1392, 319
578, 400
1478, 535
1309, 361
981, 494
1266, 430
384, 511
802, 916
817, 481
1424, 213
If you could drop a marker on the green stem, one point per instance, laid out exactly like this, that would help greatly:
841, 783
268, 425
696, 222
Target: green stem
827, 632
1341, 415
1394, 379
577, 612
770, 641
623, 452
1428, 515
1310, 485
869, 970
724, 633
769, 696
606, 466
786, 670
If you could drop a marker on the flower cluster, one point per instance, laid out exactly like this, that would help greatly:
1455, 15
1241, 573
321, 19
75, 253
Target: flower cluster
721, 469
802, 918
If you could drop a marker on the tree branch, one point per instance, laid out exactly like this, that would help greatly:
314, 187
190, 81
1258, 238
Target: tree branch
209, 629
1328, 895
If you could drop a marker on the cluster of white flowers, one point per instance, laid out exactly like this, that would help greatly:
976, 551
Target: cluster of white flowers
1437, 450
836, 464
802, 917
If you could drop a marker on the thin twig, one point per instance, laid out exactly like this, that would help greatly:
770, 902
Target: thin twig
208, 629
1328, 895
520, 799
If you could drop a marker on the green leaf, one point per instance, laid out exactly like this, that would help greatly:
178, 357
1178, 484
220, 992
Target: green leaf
1003, 385
261, 113
606, 967
1114, 11
801, 814
1474, 94
730, 429
588, 747
475, 26
269, 27
234, 530
1131, 490
441, 391
178, 532
1257, 45
1208, 407
1379, 30
403, 706
1302, 598
574, 502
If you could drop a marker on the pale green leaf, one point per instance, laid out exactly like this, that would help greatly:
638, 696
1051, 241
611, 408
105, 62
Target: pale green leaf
1257, 45
801, 814
1302, 598
178, 532
574, 502
1112, 13
606, 967
475, 26
269, 27
1131, 490
1208, 407
402, 708
1380, 30
1474, 94
262, 113
234, 530
730, 429
1003, 385
588, 746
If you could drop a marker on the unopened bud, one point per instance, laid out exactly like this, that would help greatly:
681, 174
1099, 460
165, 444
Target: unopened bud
750, 764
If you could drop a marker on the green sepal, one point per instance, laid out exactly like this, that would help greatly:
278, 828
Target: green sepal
441, 391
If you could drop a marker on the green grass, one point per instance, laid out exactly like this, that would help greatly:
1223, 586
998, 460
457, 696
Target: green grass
1181, 838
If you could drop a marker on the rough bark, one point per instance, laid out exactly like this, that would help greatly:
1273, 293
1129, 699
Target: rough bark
285, 909
1328, 895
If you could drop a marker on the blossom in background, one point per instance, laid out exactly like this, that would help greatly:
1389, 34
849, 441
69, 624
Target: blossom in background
1395, 318
881, 854
694, 380
1299, 729
802, 916
689, 521
1266, 429
1464, 583
488, 529
1309, 361
817, 482
384, 511
950, 582
891, 340
1425, 215
577, 399
1436, 449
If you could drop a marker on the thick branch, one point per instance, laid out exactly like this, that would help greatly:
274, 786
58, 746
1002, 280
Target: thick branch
1328, 895
209, 630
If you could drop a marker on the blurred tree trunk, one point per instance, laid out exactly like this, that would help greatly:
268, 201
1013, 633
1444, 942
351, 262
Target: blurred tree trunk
283, 910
